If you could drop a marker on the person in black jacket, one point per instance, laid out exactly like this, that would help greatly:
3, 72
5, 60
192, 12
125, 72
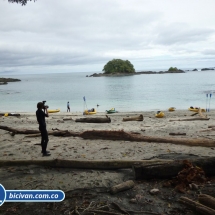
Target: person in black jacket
42, 126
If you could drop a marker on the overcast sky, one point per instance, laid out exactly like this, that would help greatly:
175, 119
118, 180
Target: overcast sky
83, 35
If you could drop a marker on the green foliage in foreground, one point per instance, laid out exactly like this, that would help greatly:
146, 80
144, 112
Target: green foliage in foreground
118, 66
173, 69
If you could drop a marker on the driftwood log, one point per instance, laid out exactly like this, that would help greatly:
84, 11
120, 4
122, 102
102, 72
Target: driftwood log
82, 164
197, 207
189, 119
94, 120
134, 118
207, 200
121, 135
178, 133
117, 135
19, 131
121, 187
171, 169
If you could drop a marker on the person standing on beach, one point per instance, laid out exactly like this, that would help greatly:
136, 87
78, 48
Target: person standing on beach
42, 126
68, 107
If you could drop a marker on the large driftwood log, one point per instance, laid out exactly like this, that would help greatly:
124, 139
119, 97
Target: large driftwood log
82, 164
134, 118
121, 135
19, 131
171, 169
201, 209
94, 120
118, 135
207, 200
189, 119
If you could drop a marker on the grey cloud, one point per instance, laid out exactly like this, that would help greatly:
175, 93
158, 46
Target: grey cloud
208, 52
182, 34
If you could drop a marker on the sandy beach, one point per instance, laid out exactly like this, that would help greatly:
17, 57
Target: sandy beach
20, 147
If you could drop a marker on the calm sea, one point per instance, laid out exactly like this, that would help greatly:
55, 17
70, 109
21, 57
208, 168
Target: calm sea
131, 93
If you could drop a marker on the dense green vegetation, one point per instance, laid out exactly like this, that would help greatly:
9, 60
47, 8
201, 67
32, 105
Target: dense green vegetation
118, 66
172, 69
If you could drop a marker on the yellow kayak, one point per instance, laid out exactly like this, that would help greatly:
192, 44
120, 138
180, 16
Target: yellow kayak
196, 109
159, 114
90, 112
172, 109
54, 111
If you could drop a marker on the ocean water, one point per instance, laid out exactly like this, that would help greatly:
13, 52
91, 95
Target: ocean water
150, 92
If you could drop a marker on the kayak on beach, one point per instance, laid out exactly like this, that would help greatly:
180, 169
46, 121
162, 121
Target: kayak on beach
112, 110
54, 111
90, 112
172, 109
9, 114
195, 109
159, 114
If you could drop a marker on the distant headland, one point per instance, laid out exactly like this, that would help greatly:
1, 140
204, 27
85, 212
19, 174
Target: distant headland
6, 80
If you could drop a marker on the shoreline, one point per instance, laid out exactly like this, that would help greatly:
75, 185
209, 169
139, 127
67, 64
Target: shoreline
105, 113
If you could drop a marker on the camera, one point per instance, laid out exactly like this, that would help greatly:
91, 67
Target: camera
45, 106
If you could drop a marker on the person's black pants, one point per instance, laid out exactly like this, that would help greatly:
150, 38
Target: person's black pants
44, 138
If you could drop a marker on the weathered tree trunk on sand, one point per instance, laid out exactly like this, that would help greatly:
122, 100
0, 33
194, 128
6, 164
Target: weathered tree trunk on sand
19, 131
36, 133
171, 169
82, 164
94, 120
134, 118
207, 200
118, 135
195, 206
121, 135
189, 119
67, 119
178, 133
121, 187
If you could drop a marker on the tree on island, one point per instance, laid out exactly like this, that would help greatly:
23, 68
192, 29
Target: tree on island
22, 2
118, 66
172, 69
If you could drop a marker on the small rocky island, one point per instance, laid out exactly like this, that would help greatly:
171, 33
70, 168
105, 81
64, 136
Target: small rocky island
6, 80
118, 67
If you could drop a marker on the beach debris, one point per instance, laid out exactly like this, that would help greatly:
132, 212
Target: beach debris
207, 200
94, 120
178, 133
188, 176
66, 119
197, 207
185, 171
154, 191
134, 118
121, 187
189, 119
